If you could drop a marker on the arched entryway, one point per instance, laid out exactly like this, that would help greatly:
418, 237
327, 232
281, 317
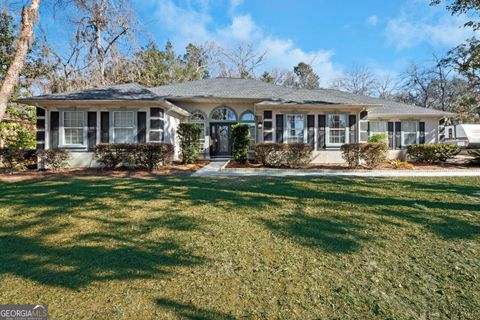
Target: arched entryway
221, 121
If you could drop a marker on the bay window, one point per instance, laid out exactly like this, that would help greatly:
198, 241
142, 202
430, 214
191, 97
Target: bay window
73, 128
295, 128
409, 133
337, 129
123, 127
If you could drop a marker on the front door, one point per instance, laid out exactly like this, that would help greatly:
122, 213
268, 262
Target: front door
221, 135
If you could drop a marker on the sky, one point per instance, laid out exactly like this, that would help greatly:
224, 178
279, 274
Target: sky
333, 36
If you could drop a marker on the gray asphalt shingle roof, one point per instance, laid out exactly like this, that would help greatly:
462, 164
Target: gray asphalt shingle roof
129, 91
233, 88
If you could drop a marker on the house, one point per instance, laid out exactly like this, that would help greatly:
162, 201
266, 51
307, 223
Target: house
324, 118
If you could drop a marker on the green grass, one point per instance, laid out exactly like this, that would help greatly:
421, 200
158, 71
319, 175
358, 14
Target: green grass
179, 247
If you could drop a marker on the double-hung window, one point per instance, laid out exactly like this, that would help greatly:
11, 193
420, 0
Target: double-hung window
409, 133
123, 127
337, 129
73, 128
295, 128
378, 127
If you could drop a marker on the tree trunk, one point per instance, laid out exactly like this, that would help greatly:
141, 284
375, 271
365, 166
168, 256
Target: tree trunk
29, 17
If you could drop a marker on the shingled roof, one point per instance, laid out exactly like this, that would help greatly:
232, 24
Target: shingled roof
233, 88
129, 91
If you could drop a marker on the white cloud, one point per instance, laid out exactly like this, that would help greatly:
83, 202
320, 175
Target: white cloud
419, 23
234, 4
372, 20
190, 23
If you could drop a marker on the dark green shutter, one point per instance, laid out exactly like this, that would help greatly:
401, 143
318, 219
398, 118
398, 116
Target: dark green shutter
441, 127
54, 129
311, 130
92, 130
421, 128
279, 128
391, 140
322, 122
267, 126
105, 127
141, 127
398, 135
352, 123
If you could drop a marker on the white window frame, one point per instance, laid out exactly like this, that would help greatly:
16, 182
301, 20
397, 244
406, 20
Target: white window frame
203, 124
63, 143
288, 137
417, 132
133, 127
328, 130
162, 134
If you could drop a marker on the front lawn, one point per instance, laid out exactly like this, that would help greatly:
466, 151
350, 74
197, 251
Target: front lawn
180, 247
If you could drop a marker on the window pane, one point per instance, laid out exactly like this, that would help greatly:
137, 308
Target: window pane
409, 138
74, 136
378, 126
123, 119
123, 135
337, 136
224, 114
337, 120
197, 116
295, 127
247, 116
409, 126
73, 119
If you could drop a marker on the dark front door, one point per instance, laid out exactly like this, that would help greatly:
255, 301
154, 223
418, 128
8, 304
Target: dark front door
221, 135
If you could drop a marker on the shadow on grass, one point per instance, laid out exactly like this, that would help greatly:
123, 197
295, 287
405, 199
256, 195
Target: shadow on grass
185, 311
77, 266
328, 234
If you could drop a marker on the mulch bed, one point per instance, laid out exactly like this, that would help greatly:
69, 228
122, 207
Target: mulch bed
176, 169
335, 166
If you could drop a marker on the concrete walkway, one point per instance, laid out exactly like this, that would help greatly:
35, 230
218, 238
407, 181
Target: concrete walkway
217, 169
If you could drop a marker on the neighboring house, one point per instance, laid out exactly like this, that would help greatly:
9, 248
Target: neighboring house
324, 118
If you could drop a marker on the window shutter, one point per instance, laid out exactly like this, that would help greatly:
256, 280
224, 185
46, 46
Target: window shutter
279, 128
267, 126
92, 130
141, 127
398, 135
311, 130
352, 123
40, 129
391, 141
421, 128
441, 130
322, 122
104, 127
54, 129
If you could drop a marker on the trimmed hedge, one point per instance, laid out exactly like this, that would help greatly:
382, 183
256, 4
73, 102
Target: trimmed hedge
476, 156
54, 158
240, 142
379, 137
13, 158
189, 136
143, 156
432, 153
277, 154
372, 154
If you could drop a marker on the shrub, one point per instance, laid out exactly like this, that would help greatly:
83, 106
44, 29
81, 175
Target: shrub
277, 154
240, 142
13, 158
270, 154
145, 156
380, 137
373, 154
54, 158
298, 154
150, 156
189, 135
399, 164
432, 153
476, 156
352, 153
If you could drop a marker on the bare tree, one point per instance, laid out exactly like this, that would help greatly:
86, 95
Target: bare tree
240, 61
358, 81
25, 37
386, 87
